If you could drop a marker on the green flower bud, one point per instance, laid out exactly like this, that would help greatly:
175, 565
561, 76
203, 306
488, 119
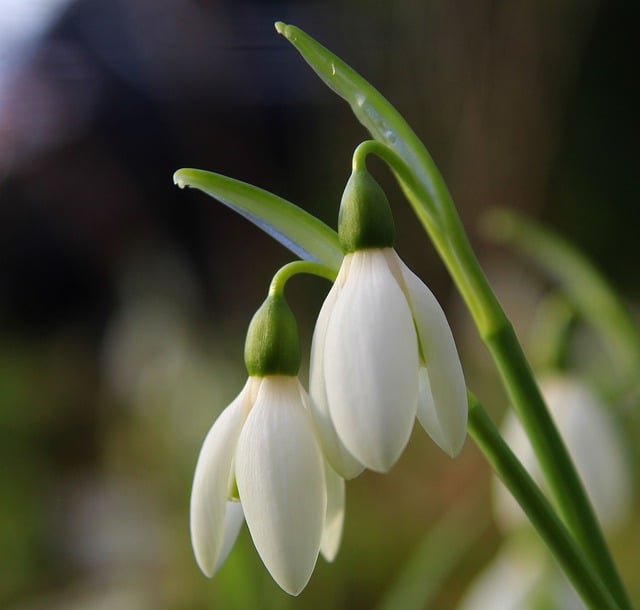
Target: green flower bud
365, 219
272, 346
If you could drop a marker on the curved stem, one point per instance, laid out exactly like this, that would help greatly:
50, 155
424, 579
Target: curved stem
460, 260
542, 516
285, 273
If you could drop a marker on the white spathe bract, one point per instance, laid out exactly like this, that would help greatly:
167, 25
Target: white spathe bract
594, 443
265, 442
366, 365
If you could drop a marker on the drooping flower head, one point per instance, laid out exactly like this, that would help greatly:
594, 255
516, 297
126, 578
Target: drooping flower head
261, 461
382, 349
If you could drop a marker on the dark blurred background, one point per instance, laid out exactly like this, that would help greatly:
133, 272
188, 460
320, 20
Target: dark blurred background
124, 300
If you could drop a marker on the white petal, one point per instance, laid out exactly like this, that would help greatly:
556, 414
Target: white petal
233, 520
332, 533
341, 460
280, 477
442, 408
371, 363
212, 482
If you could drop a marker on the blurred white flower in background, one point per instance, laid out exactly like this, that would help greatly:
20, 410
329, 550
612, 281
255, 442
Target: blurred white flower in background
522, 576
595, 443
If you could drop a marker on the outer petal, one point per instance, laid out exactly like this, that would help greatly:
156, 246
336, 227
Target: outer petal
371, 363
341, 460
332, 533
442, 408
280, 477
212, 482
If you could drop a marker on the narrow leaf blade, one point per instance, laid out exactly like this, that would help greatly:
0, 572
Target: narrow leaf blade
371, 108
297, 230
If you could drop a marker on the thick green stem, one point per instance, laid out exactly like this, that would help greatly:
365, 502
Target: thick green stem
567, 491
581, 572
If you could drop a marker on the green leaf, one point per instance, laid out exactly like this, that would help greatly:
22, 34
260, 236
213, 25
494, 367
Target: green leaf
588, 290
371, 108
297, 230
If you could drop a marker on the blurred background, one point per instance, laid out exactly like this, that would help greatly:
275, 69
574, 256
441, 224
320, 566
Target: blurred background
124, 300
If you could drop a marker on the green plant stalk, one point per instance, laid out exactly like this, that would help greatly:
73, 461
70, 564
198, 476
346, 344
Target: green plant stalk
540, 513
434, 207
499, 336
285, 273
584, 285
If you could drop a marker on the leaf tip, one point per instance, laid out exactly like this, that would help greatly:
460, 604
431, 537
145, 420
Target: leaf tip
178, 179
284, 30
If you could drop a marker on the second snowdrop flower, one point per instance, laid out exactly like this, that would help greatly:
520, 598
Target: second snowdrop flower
382, 349
261, 461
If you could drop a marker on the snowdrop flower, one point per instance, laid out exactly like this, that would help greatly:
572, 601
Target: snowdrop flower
261, 462
595, 445
382, 350
521, 577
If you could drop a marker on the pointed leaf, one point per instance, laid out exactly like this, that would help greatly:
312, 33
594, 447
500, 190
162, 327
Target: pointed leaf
371, 108
297, 230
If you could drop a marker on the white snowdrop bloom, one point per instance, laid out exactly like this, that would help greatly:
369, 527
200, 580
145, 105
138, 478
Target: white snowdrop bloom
382, 349
264, 441
594, 443
262, 460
